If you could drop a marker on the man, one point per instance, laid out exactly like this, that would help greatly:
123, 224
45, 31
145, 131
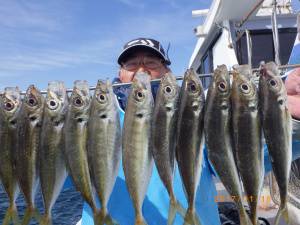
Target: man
292, 85
147, 55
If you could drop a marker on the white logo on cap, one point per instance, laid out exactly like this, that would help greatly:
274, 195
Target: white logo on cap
133, 42
144, 42
150, 43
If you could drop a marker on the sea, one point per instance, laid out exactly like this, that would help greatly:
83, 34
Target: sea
66, 211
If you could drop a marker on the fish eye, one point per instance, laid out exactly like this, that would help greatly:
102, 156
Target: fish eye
273, 83
32, 101
102, 98
52, 104
77, 102
9, 106
139, 95
168, 89
192, 87
222, 86
245, 88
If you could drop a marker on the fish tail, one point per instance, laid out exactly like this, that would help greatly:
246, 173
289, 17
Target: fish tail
104, 218
175, 207
98, 218
191, 217
244, 217
46, 220
253, 211
108, 220
139, 220
11, 215
31, 213
283, 211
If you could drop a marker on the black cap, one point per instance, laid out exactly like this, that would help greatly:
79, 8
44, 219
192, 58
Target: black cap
143, 43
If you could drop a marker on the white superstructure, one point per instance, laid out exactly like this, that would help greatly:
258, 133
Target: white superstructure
222, 36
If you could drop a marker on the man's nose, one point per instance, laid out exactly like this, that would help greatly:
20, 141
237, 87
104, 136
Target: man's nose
142, 69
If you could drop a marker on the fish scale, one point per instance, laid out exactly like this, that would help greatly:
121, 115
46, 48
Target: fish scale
136, 142
247, 136
76, 142
273, 107
9, 113
104, 145
164, 133
219, 144
189, 139
52, 162
29, 129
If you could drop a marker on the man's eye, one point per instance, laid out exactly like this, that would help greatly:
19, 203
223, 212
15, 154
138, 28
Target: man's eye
131, 65
152, 64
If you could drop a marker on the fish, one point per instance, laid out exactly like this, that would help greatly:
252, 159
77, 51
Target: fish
28, 141
10, 104
247, 136
219, 144
52, 163
190, 139
76, 143
136, 142
278, 135
104, 145
164, 134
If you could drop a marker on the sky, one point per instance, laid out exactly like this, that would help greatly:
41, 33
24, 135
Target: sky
41, 41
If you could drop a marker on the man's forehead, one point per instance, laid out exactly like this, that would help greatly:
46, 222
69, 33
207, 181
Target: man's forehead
142, 53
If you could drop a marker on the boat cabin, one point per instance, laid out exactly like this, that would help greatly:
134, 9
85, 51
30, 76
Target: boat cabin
240, 32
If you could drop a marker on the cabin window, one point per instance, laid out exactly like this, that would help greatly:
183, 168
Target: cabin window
206, 66
263, 47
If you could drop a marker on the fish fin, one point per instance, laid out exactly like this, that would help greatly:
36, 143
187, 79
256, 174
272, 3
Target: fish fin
243, 215
175, 207
253, 210
110, 221
27, 216
104, 218
245, 220
283, 211
31, 213
46, 220
11, 216
139, 220
191, 218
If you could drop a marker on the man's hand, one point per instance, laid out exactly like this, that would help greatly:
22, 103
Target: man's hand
293, 102
292, 82
292, 85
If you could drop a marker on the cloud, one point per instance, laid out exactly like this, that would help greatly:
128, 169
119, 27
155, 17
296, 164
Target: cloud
36, 36
33, 59
29, 15
133, 3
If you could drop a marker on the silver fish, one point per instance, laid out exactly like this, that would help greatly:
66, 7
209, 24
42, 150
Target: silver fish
247, 136
104, 145
136, 142
190, 138
29, 129
76, 142
52, 163
164, 133
10, 102
218, 139
277, 127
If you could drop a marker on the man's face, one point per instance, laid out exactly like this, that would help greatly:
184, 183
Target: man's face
142, 61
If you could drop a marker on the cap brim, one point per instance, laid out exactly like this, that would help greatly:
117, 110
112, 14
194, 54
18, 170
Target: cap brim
126, 52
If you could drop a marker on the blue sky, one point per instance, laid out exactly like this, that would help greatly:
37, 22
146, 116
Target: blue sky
65, 40
42, 41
